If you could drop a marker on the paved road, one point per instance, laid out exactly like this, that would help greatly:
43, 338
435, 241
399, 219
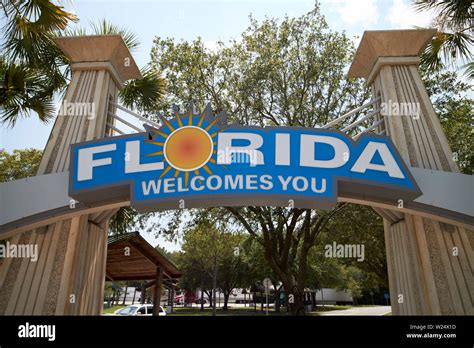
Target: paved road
376, 310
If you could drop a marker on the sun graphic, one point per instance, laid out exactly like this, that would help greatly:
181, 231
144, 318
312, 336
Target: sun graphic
187, 142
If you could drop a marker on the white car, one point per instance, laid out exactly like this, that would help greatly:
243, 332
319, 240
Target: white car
145, 309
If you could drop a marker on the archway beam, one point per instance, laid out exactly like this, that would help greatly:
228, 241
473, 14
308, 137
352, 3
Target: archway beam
41, 200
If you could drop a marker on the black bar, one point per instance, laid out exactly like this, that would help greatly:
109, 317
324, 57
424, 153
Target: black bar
242, 331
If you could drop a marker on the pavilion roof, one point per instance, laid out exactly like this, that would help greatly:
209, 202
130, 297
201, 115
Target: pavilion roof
139, 262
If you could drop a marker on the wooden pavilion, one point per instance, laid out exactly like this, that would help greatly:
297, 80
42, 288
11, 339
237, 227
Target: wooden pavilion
131, 257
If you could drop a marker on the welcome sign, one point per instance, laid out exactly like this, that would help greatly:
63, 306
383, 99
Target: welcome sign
197, 160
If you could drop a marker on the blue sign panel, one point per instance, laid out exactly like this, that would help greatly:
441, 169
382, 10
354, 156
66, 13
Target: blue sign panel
197, 160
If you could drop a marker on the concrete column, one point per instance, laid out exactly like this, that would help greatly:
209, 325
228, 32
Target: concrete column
430, 264
69, 275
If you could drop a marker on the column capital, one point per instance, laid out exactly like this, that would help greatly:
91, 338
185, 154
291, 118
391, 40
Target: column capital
388, 47
100, 52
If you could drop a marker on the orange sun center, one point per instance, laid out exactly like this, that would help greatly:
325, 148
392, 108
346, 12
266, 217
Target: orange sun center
188, 148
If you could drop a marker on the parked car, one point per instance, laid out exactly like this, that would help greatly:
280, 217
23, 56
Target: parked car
145, 309
198, 301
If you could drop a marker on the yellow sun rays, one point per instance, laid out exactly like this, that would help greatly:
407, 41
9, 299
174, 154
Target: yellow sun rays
167, 169
201, 119
209, 126
164, 134
206, 168
158, 153
180, 123
190, 120
171, 128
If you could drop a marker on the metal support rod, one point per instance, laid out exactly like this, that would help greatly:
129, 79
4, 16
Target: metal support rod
375, 125
111, 126
369, 115
352, 112
118, 118
140, 117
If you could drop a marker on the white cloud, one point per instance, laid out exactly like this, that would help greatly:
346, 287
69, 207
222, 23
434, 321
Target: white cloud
402, 15
357, 11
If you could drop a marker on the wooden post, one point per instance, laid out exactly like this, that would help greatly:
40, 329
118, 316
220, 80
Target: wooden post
125, 293
425, 276
172, 299
157, 294
143, 294
68, 277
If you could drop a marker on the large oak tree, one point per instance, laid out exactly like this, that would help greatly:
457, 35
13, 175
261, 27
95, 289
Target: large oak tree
287, 73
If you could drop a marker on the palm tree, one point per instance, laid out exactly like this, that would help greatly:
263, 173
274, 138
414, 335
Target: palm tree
455, 22
22, 90
31, 64
33, 69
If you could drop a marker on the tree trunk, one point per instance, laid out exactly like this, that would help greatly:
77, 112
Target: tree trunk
277, 299
209, 297
214, 285
202, 300
226, 299
297, 307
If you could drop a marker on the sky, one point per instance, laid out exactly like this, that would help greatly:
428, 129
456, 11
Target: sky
213, 21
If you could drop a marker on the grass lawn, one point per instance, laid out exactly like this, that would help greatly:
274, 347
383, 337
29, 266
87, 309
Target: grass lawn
231, 311
234, 311
327, 308
111, 310
245, 311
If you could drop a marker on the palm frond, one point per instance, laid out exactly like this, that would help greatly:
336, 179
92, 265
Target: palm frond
458, 13
29, 28
446, 49
24, 90
145, 94
469, 72
104, 27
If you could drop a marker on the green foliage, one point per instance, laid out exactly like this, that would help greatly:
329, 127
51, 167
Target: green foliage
32, 68
454, 38
104, 27
289, 73
24, 90
356, 224
127, 219
451, 101
28, 34
143, 94
212, 257
19, 164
